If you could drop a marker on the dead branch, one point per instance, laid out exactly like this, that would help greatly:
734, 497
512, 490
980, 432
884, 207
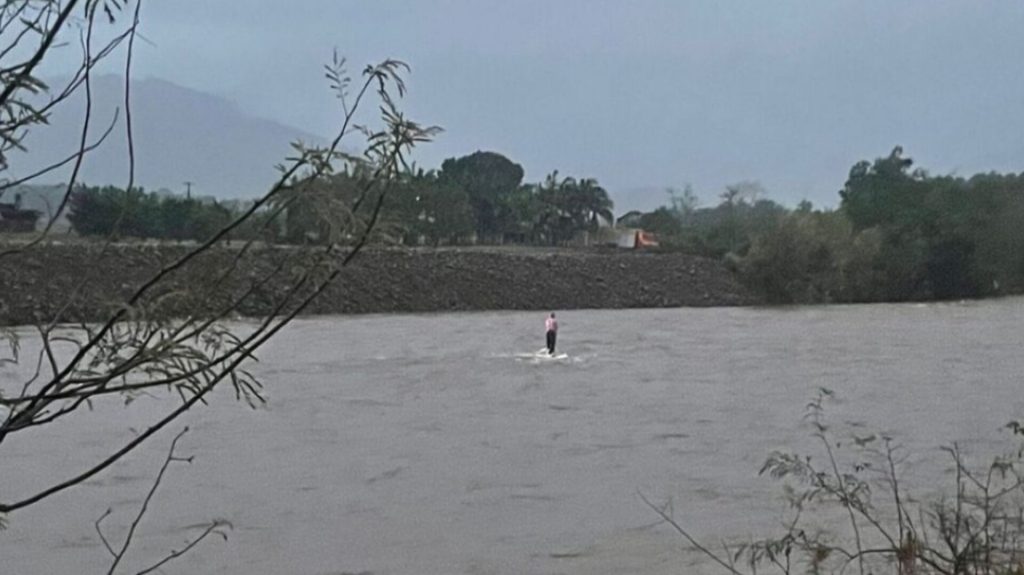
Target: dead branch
119, 555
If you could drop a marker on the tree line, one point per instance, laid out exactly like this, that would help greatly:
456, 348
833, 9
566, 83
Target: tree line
899, 234
114, 212
478, 198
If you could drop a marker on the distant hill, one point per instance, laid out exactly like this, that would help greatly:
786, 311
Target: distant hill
180, 135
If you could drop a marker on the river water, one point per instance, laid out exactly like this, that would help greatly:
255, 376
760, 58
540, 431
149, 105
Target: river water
425, 444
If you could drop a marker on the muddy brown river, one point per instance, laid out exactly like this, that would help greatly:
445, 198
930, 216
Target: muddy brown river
430, 444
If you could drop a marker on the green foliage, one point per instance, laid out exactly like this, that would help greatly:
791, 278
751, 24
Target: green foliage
900, 234
728, 228
425, 206
318, 211
113, 212
884, 193
569, 206
804, 258
524, 213
662, 221
445, 215
473, 199
943, 237
96, 211
975, 526
478, 198
488, 179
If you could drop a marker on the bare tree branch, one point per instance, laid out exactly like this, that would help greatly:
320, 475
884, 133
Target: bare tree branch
119, 555
103, 536
61, 163
29, 67
214, 528
667, 518
83, 146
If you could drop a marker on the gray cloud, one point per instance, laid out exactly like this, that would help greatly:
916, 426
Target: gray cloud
642, 93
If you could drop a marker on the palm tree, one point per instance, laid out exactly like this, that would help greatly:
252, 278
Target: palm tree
568, 206
553, 220
596, 204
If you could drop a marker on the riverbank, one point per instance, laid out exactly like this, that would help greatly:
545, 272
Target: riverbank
36, 284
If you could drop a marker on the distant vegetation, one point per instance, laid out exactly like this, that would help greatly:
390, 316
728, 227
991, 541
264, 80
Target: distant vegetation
899, 233
114, 212
479, 198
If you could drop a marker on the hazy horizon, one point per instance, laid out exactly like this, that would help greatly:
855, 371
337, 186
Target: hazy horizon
643, 95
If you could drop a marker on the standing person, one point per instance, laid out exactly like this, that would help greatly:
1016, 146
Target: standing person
551, 327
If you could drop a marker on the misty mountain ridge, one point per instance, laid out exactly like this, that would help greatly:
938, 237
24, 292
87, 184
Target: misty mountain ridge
185, 135
180, 135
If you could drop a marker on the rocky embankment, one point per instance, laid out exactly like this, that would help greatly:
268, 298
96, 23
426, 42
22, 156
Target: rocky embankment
88, 281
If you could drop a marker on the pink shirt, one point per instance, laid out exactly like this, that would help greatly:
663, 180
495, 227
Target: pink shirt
551, 325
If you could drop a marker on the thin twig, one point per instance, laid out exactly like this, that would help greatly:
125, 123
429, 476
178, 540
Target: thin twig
212, 528
103, 537
679, 529
149, 497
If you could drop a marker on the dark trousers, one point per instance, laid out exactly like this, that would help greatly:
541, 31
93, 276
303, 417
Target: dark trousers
551, 341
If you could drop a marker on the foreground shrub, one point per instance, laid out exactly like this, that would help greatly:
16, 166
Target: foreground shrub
976, 527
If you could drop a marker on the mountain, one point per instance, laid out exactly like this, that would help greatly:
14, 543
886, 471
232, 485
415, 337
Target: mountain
181, 135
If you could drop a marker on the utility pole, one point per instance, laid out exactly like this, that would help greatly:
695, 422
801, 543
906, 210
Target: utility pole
188, 190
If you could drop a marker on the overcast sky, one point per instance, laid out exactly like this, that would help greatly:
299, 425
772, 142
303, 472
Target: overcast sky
638, 93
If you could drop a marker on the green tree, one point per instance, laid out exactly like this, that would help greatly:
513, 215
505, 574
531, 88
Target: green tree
569, 206
998, 236
594, 205
930, 227
524, 212
111, 211
448, 216
321, 210
884, 193
207, 220
95, 211
178, 218
488, 179
663, 221
801, 259
263, 226
425, 207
